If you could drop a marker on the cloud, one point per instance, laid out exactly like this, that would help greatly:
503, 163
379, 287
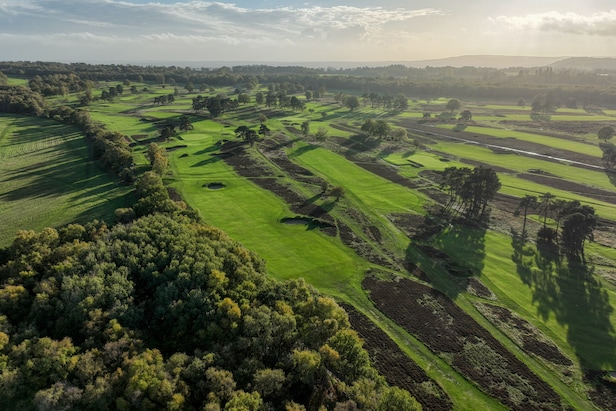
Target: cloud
600, 24
194, 17
214, 27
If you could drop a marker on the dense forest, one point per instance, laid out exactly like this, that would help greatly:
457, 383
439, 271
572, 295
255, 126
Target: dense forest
168, 313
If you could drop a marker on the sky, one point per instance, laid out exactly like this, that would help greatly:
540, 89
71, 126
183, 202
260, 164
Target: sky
302, 31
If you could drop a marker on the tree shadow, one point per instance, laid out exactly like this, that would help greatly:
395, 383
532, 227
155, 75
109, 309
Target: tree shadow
450, 256
211, 160
609, 160
302, 150
574, 297
360, 143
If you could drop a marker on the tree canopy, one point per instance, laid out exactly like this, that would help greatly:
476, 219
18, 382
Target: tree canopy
168, 313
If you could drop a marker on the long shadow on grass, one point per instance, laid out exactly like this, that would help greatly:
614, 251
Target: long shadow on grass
574, 297
302, 150
68, 175
450, 255
211, 160
360, 143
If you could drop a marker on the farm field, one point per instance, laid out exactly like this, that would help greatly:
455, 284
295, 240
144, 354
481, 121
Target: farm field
450, 302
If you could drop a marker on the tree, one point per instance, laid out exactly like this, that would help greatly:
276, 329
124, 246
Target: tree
321, 134
379, 128
399, 134
545, 203
185, 124
605, 133
576, 229
528, 202
466, 115
368, 126
453, 105
401, 102
167, 131
243, 98
263, 130
337, 192
259, 98
351, 102
478, 189
305, 127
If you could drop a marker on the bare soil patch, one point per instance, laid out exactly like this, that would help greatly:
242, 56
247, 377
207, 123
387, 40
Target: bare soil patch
397, 368
385, 171
455, 336
475, 287
603, 394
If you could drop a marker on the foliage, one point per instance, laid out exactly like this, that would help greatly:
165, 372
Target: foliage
470, 190
379, 128
605, 133
453, 105
166, 313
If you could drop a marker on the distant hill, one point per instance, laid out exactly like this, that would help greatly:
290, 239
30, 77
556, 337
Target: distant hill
488, 61
586, 63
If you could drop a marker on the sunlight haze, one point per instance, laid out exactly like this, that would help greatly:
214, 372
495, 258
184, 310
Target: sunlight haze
298, 31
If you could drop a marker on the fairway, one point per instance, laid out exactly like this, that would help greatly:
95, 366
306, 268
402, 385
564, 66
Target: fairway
48, 180
253, 216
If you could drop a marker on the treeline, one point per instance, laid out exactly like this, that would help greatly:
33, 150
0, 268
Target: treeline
588, 88
166, 313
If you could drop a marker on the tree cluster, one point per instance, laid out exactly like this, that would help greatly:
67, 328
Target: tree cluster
167, 313
216, 105
164, 99
21, 100
58, 84
470, 190
574, 223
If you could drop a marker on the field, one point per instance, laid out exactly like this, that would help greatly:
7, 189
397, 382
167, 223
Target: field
47, 178
470, 317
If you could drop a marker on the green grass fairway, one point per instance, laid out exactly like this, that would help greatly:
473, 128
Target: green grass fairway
48, 180
373, 192
252, 215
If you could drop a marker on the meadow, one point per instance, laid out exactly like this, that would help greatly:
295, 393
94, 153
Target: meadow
569, 308
47, 178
